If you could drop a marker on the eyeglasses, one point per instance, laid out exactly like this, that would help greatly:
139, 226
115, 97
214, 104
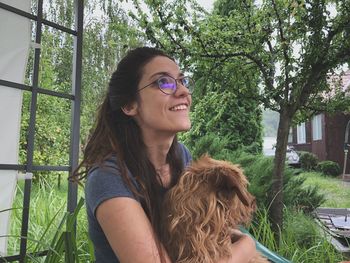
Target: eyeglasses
168, 85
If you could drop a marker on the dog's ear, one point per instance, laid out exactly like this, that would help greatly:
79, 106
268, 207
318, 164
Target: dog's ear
229, 180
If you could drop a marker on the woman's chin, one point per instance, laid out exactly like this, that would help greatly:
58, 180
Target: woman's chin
185, 128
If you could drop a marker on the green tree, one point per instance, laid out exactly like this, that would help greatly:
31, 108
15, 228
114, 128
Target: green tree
294, 46
107, 38
225, 115
108, 33
225, 101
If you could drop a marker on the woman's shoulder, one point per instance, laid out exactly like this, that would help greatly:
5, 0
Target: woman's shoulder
105, 181
185, 153
108, 171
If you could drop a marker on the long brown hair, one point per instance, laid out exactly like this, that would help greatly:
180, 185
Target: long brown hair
117, 134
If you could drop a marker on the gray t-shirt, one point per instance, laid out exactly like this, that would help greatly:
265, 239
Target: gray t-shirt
104, 183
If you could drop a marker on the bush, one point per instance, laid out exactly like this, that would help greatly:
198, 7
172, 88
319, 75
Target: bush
308, 161
329, 168
302, 198
259, 171
225, 115
301, 238
210, 144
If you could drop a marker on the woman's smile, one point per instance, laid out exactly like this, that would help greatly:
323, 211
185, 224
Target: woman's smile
175, 114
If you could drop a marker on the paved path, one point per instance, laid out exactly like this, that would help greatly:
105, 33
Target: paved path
346, 183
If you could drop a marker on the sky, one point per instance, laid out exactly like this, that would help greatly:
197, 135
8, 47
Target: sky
206, 4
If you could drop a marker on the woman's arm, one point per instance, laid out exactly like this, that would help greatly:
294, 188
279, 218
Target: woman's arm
243, 249
128, 231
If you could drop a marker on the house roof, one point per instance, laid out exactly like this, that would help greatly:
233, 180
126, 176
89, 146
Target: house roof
339, 82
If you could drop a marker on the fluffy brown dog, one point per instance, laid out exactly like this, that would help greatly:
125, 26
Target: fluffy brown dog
210, 199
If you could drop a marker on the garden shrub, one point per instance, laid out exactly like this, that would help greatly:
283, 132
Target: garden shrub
328, 168
308, 161
243, 158
259, 171
225, 114
254, 148
209, 144
302, 198
301, 229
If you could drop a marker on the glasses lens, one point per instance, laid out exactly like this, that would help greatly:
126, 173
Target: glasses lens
188, 83
167, 85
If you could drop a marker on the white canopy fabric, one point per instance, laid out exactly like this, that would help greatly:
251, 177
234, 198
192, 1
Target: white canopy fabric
14, 49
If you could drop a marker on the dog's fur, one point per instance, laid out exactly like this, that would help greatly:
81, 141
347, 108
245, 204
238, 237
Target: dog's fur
199, 213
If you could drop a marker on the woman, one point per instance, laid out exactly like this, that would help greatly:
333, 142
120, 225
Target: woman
133, 157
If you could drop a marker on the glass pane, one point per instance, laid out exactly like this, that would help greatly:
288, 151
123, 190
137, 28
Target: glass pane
55, 69
52, 131
23, 142
25, 6
60, 12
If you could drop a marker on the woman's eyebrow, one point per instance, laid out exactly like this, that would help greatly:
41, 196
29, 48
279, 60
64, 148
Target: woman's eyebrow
165, 73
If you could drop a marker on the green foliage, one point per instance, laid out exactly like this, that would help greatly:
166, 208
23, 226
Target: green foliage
301, 239
286, 48
302, 198
304, 229
52, 131
308, 161
329, 168
259, 170
336, 193
300, 242
209, 144
254, 148
106, 39
50, 227
235, 121
64, 242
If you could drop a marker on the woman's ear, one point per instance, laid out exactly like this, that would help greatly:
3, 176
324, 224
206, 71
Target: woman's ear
130, 109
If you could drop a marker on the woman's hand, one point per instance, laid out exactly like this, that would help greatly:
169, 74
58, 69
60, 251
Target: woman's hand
243, 248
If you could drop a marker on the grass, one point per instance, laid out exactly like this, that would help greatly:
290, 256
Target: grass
48, 206
301, 241
337, 195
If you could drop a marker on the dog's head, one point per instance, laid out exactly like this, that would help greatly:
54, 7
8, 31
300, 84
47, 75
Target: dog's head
210, 198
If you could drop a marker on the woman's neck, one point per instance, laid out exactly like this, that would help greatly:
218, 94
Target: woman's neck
158, 145
157, 153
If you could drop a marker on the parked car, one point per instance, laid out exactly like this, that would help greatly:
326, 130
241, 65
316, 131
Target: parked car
292, 157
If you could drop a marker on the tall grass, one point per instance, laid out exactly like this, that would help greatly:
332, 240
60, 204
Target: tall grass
301, 241
337, 193
48, 219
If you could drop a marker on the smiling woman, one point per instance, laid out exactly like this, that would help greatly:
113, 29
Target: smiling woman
164, 113
133, 158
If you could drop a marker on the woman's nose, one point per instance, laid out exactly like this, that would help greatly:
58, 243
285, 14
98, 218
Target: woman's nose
181, 90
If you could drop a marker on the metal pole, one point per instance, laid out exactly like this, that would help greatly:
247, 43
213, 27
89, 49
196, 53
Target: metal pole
345, 161
346, 147
76, 90
31, 135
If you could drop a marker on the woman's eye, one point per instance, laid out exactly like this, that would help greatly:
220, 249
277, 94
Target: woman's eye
166, 83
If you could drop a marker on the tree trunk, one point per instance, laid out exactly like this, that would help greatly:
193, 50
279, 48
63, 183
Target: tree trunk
276, 194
